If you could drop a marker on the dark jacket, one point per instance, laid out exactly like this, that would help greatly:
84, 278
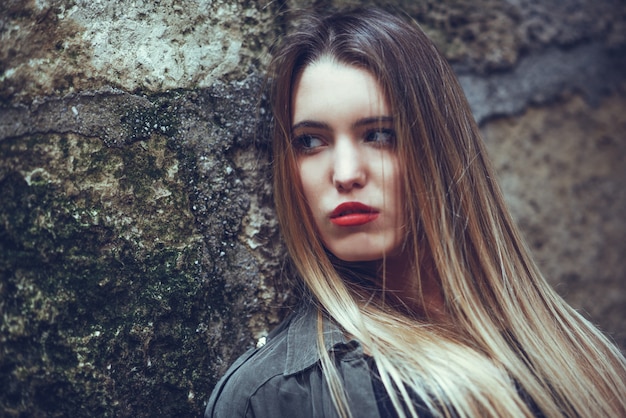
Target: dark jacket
284, 378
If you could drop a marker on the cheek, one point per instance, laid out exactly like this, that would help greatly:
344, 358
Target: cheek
395, 191
393, 179
310, 182
305, 178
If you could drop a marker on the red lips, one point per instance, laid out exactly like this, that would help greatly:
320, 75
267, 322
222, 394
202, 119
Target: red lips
353, 214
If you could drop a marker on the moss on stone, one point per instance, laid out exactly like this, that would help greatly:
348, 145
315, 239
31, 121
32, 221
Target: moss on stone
101, 282
141, 122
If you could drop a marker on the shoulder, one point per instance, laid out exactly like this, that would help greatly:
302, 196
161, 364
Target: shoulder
249, 377
284, 377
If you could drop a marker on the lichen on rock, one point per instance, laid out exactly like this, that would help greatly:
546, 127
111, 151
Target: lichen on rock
121, 258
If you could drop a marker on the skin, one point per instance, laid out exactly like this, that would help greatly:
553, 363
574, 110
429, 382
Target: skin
343, 131
344, 135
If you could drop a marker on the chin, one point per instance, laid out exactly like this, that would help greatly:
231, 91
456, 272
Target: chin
353, 257
363, 252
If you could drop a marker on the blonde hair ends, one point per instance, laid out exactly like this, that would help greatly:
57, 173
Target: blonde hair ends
511, 343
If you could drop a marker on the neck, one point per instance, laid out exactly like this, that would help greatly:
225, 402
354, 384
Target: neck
417, 292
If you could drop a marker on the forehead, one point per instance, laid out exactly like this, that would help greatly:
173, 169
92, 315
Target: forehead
330, 89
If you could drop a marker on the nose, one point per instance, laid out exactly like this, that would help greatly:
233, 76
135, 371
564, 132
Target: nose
349, 168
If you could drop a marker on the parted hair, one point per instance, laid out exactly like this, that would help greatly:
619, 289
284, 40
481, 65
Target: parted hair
510, 345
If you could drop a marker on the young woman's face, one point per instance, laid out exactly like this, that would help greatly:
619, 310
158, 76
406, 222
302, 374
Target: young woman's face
345, 141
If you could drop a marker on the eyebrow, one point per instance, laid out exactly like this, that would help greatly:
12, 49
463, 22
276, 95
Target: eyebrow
324, 126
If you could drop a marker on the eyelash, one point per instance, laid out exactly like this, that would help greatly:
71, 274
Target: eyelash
299, 143
302, 142
388, 141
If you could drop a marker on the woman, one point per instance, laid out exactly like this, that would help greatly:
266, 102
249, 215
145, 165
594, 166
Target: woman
420, 297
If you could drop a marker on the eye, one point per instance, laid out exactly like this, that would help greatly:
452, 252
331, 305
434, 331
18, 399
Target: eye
308, 143
383, 137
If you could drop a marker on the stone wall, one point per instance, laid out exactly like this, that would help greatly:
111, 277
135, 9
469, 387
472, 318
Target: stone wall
139, 254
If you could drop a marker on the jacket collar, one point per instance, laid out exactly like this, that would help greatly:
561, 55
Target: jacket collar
302, 351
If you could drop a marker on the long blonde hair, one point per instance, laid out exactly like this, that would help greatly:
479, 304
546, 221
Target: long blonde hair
512, 346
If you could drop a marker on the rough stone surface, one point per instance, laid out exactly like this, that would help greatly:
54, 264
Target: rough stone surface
566, 189
588, 69
129, 262
139, 254
58, 47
